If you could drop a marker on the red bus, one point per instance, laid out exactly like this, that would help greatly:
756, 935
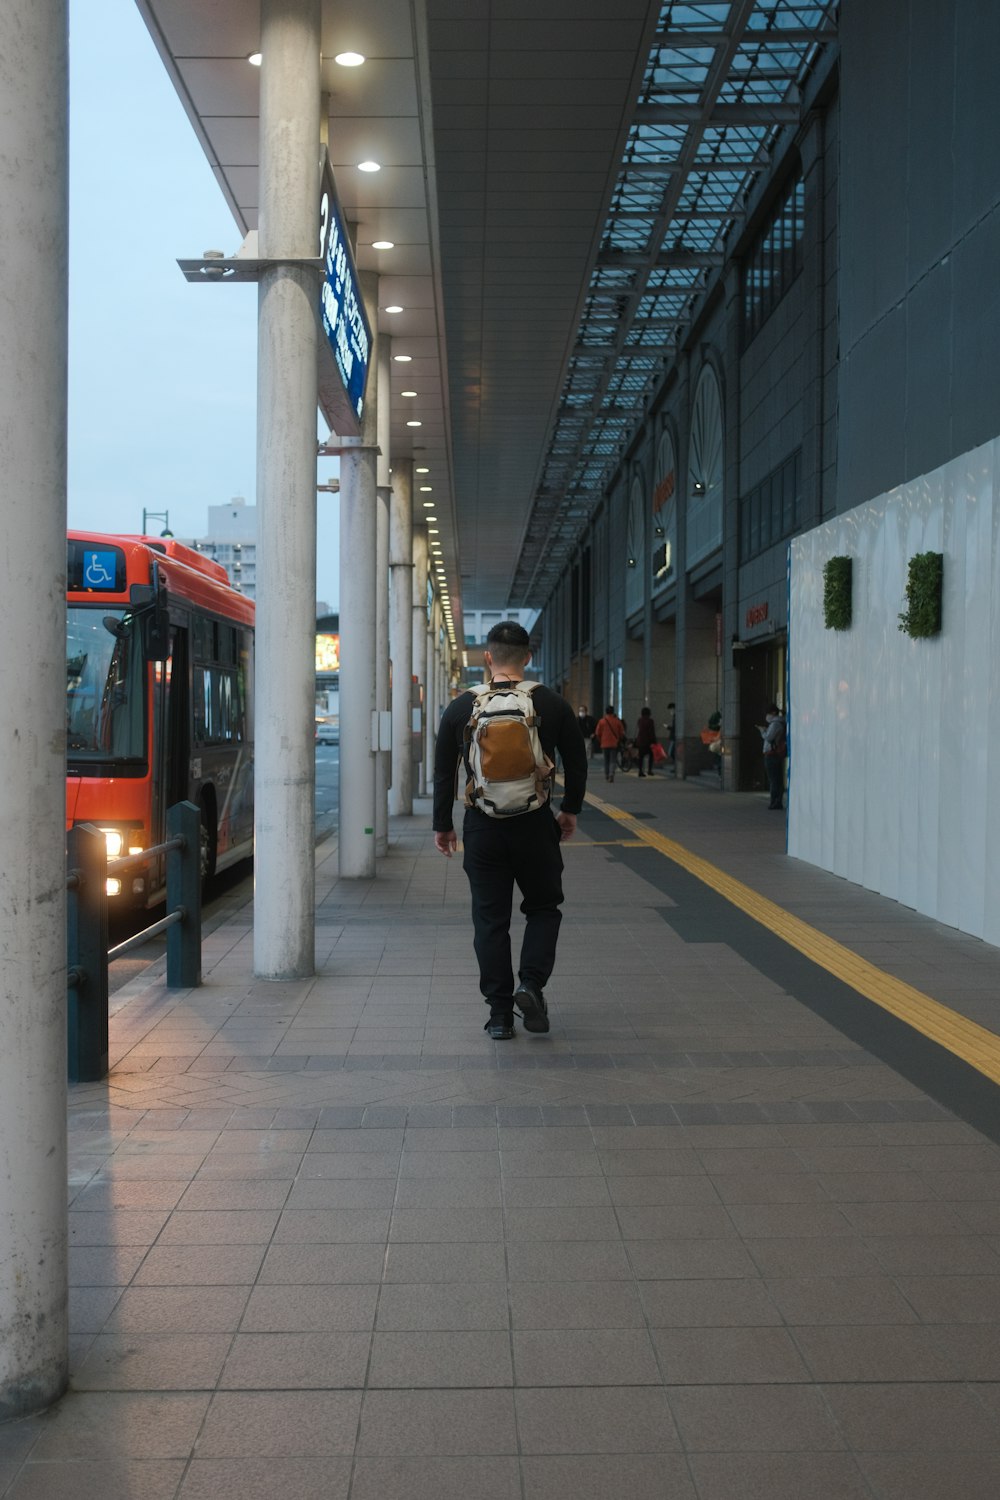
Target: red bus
159, 702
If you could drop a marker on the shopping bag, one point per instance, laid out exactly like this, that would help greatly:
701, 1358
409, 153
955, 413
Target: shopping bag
659, 754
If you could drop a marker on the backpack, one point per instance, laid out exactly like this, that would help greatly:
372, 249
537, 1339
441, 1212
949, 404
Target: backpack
508, 771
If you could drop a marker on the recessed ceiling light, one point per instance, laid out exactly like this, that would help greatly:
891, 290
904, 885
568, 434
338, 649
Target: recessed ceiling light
383, 244
414, 424
425, 489
407, 393
423, 471
395, 308
349, 59
428, 505
403, 359
369, 166
432, 530
255, 59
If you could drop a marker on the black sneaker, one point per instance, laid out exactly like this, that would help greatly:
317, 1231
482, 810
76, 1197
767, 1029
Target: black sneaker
500, 1028
530, 1001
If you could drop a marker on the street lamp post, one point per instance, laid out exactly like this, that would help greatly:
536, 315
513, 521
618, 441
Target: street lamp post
156, 515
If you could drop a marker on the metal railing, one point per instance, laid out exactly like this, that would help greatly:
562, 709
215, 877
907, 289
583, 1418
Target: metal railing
87, 929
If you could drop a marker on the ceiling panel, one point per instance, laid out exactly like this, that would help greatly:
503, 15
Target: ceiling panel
233, 141
384, 86
394, 141
220, 86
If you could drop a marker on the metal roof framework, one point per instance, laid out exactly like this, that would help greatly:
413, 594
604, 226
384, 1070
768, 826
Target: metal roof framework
721, 81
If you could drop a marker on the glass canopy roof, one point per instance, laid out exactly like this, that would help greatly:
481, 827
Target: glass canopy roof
721, 80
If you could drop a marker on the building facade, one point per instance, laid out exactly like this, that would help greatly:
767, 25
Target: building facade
844, 346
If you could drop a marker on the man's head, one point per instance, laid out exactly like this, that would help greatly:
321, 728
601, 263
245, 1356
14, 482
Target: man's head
507, 647
581, 711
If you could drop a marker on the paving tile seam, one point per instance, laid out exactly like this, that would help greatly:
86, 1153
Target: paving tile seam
965, 1039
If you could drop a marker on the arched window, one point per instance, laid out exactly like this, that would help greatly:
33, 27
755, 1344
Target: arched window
706, 463
663, 557
635, 548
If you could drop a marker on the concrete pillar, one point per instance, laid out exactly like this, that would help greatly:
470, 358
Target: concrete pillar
358, 587
648, 481
382, 758
420, 642
401, 632
33, 228
687, 716
815, 504
731, 605
433, 690
285, 767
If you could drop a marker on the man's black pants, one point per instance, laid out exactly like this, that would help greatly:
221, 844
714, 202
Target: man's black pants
500, 853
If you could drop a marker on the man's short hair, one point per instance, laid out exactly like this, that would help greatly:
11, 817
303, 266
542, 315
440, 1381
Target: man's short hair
509, 636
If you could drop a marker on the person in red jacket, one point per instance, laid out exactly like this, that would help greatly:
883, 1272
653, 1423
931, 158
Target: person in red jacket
609, 734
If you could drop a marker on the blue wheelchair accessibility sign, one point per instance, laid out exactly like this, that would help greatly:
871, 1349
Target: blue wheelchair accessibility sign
99, 570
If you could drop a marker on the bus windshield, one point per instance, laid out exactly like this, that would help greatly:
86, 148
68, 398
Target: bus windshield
105, 685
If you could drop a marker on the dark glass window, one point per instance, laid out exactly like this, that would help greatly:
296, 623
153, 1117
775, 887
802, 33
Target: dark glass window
770, 511
775, 260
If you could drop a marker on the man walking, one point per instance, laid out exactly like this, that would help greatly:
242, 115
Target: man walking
521, 849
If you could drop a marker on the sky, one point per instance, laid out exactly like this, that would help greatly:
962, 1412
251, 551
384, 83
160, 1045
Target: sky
162, 374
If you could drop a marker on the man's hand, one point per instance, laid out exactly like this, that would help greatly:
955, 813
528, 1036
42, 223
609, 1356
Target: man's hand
567, 825
447, 843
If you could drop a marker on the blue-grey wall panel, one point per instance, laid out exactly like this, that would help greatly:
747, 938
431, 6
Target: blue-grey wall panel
919, 195
975, 268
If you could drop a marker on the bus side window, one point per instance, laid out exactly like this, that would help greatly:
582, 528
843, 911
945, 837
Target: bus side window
178, 719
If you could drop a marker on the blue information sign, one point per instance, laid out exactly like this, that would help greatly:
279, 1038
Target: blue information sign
344, 320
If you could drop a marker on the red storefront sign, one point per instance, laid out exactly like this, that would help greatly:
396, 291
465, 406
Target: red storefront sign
756, 615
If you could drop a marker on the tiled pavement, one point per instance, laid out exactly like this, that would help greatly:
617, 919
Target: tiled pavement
329, 1241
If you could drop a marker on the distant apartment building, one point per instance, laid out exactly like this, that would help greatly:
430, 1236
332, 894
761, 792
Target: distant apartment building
479, 622
231, 540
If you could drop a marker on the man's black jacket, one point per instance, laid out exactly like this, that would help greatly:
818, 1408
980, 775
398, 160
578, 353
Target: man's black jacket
557, 730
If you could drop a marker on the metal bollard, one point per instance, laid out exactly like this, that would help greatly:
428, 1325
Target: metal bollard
87, 946
184, 891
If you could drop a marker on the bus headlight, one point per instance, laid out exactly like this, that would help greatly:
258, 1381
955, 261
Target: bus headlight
113, 887
114, 839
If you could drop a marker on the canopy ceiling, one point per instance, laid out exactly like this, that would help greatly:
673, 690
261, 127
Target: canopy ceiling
558, 178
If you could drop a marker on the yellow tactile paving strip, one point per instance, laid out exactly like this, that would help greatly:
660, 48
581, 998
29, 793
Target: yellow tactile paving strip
966, 1040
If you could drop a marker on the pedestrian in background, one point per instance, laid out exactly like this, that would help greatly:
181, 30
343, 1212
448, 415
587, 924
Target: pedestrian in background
774, 735
645, 739
609, 734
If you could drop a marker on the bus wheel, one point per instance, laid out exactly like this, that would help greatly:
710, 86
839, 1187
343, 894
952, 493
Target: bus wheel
208, 839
